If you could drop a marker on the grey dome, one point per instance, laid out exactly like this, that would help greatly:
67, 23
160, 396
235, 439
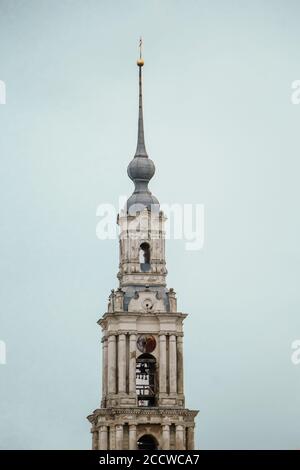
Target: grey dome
141, 168
139, 201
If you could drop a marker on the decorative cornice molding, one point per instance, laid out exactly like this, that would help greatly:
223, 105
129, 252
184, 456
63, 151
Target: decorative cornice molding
169, 333
117, 315
136, 333
136, 411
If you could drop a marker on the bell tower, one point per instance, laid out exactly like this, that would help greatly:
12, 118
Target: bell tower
143, 404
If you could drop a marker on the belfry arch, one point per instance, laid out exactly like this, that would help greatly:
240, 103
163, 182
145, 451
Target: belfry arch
146, 380
144, 256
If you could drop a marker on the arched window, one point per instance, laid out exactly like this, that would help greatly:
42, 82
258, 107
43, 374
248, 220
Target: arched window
147, 442
144, 256
146, 380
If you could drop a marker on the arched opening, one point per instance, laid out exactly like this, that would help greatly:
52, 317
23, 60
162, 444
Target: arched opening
147, 442
146, 380
144, 256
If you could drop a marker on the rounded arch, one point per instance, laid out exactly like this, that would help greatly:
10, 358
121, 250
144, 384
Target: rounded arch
146, 357
147, 442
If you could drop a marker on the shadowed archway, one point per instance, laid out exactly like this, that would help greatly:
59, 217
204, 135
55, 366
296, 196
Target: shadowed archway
147, 442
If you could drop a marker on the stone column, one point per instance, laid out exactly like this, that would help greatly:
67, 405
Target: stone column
111, 353
103, 438
179, 437
95, 440
162, 364
112, 438
119, 437
132, 437
190, 445
122, 363
179, 364
104, 369
165, 437
132, 363
172, 364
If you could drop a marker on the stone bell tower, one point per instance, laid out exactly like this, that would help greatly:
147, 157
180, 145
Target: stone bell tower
143, 405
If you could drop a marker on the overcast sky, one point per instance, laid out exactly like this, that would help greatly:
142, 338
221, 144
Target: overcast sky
222, 132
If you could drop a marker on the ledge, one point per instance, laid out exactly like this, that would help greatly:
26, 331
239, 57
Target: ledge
153, 411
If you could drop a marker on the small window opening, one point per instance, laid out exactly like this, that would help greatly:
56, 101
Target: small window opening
144, 256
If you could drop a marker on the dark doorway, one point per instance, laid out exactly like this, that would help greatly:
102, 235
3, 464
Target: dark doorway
147, 442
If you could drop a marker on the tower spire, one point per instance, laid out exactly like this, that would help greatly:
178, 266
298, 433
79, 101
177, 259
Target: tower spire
141, 168
140, 148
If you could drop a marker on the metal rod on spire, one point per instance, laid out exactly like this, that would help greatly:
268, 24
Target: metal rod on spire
140, 46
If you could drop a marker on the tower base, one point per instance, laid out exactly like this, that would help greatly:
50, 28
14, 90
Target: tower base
143, 428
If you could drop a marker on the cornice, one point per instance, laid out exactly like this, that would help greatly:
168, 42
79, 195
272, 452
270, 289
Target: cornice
118, 315
139, 411
144, 332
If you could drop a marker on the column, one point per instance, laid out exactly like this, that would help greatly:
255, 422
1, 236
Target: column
190, 445
179, 437
180, 364
95, 440
132, 364
165, 437
104, 368
103, 438
119, 437
162, 364
132, 437
122, 363
172, 364
111, 352
112, 438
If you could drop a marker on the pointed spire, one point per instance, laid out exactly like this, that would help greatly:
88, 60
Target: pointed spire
141, 168
140, 148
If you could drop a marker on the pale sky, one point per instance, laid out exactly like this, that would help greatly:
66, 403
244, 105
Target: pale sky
222, 132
